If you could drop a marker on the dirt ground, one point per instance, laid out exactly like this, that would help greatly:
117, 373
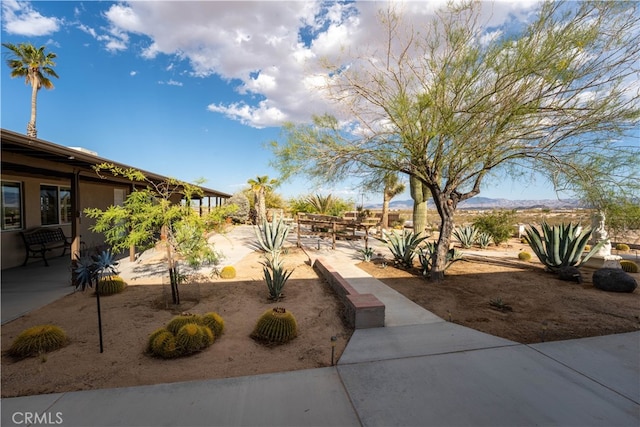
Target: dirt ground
129, 317
516, 300
540, 308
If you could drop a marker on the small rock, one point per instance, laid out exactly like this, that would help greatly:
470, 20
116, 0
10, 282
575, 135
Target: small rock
614, 280
570, 274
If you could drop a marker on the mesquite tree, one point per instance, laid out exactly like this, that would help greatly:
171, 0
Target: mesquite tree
156, 208
451, 103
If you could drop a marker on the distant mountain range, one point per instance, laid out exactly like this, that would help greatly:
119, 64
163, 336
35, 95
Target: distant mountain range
488, 203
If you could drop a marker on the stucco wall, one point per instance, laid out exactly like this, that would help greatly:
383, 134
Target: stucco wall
91, 195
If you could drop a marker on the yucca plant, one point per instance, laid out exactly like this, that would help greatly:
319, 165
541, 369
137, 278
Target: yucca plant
403, 246
466, 235
271, 235
275, 275
560, 245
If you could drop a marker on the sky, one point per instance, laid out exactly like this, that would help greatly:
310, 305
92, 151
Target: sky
198, 89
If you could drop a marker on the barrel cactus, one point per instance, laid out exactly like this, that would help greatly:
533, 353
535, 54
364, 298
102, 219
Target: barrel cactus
275, 326
524, 256
179, 321
163, 344
110, 285
228, 272
38, 339
622, 247
629, 266
215, 322
193, 337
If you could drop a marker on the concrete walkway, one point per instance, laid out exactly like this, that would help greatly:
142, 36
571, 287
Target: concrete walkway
418, 370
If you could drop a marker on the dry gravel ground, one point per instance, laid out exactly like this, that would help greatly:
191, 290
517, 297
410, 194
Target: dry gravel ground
542, 308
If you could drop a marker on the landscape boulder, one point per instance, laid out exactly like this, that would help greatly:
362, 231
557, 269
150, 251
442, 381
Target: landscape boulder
570, 274
614, 280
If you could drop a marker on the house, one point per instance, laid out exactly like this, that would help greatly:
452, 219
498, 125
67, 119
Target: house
49, 185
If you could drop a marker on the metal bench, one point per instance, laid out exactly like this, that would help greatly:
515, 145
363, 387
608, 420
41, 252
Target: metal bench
42, 240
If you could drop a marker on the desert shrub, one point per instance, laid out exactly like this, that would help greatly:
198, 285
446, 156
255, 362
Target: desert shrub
498, 224
215, 322
110, 285
228, 272
179, 321
38, 339
629, 266
217, 217
275, 326
622, 247
241, 214
524, 256
466, 235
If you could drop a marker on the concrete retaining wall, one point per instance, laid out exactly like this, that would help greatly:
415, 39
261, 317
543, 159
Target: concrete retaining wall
363, 310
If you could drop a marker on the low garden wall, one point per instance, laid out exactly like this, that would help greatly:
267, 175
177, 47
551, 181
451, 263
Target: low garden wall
362, 310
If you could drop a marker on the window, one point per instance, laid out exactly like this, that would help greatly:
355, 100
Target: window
11, 205
55, 205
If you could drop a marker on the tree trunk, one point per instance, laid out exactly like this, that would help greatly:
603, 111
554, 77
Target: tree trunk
446, 207
420, 195
384, 221
31, 126
261, 209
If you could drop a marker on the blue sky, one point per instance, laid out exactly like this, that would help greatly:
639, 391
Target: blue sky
193, 89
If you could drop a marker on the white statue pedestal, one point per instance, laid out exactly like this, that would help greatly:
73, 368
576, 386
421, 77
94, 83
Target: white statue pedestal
606, 261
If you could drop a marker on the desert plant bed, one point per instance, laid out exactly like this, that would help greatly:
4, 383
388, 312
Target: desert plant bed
132, 315
542, 307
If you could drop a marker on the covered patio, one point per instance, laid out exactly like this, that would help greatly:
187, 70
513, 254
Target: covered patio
28, 288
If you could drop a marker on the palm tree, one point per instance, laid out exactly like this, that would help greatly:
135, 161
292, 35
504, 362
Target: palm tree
392, 187
321, 204
259, 186
34, 65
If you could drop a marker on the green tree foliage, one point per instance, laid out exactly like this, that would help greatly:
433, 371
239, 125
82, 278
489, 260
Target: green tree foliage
161, 208
34, 64
450, 103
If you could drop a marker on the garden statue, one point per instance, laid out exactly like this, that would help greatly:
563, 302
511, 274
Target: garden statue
599, 234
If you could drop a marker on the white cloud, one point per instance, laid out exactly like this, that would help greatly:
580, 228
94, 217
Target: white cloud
271, 51
133, 73
21, 19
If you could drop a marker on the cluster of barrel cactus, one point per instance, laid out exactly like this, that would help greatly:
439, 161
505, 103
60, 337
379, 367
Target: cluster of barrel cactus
37, 340
185, 334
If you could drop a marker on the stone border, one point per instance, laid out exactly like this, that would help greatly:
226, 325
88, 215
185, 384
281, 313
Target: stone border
362, 310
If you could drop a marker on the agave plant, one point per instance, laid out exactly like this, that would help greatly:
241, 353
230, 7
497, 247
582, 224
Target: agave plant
271, 235
425, 256
560, 245
367, 254
403, 246
275, 275
483, 240
466, 235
